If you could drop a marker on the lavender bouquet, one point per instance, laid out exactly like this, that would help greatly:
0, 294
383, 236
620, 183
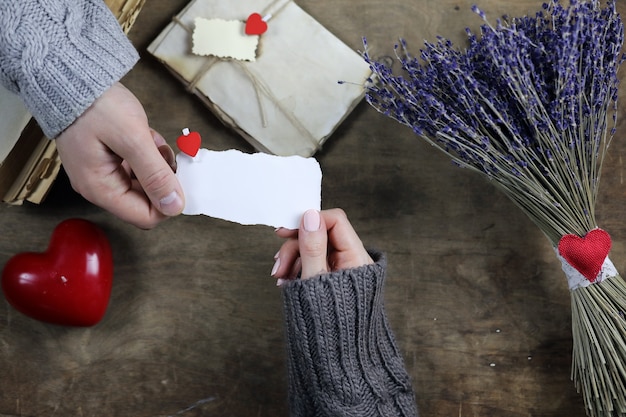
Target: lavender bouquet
528, 104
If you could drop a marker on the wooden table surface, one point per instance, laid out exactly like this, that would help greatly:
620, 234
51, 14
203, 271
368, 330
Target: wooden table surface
476, 297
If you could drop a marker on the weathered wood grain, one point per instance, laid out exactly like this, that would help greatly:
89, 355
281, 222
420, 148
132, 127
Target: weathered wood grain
475, 294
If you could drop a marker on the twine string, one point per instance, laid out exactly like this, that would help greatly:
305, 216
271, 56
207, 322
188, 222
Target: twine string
275, 7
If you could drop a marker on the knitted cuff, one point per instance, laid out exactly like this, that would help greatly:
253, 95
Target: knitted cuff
342, 355
60, 56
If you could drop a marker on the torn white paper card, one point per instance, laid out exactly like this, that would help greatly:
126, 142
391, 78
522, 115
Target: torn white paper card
223, 39
250, 188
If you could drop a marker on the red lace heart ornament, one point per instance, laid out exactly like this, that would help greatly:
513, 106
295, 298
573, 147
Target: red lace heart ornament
586, 254
189, 143
255, 25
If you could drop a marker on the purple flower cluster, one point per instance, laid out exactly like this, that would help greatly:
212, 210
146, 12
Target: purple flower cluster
526, 103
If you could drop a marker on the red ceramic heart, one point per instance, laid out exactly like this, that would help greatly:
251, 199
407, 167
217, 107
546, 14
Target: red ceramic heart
586, 254
189, 143
68, 284
255, 25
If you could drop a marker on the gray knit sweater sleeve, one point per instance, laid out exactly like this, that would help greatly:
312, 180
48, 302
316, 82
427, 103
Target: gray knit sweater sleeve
60, 55
342, 355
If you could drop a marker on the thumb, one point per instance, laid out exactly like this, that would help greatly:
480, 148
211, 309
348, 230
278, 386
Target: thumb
157, 179
313, 241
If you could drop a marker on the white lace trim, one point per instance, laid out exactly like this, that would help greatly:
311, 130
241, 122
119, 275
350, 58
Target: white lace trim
577, 280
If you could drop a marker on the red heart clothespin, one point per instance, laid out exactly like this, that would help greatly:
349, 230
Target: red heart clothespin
189, 142
256, 25
586, 254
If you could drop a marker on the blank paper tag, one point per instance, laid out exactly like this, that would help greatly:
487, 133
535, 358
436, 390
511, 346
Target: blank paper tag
224, 39
250, 188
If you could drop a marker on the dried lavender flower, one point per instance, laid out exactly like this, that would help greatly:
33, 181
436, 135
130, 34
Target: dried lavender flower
526, 103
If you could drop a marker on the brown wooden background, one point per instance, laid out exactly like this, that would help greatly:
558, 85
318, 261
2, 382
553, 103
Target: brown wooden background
475, 294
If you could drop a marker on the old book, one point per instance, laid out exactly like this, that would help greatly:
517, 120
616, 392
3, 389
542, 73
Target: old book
286, 101
29, 161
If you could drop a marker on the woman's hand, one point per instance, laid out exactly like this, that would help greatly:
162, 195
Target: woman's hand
325, 242
117, 162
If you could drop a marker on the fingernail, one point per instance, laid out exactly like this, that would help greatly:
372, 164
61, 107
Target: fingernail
276, 266
276, 256
171, 204
280, 282
158, 139
311, 220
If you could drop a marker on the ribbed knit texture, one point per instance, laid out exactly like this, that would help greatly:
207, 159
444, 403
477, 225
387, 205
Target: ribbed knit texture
60, 56
342, 355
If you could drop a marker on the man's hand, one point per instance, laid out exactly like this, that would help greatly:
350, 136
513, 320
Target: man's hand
117, 162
